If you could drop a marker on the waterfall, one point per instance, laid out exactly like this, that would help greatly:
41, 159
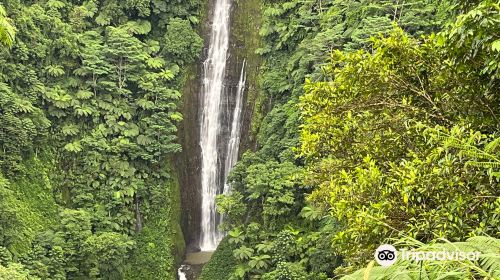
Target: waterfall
212, 91
181, 274
234, 140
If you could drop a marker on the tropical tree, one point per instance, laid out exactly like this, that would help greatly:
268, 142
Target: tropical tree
7, 30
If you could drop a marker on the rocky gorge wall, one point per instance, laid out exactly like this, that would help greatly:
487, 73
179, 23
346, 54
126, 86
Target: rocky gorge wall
245, 22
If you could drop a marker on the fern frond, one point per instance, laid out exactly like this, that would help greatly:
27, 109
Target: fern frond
483, 164
492, 146
487, 267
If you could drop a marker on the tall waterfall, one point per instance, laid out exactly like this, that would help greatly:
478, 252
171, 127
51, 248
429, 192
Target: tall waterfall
210, 127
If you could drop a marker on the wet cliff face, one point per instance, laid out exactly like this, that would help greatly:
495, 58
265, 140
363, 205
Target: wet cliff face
245, 40
245, 21
188, 161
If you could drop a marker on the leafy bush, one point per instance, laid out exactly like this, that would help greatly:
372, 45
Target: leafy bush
404, 181
397, 134
15, 272
487, 267
287, 271
187, 49
222, 264
89, 91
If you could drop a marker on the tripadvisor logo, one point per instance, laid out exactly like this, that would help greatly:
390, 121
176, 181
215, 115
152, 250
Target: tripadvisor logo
387, 255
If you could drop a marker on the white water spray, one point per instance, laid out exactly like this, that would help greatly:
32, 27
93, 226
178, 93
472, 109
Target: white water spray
212, 90
181, 274
234, 140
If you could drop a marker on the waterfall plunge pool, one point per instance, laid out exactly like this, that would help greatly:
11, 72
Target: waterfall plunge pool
192, 265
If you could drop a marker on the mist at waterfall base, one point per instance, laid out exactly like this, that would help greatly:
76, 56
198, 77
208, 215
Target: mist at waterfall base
181, 273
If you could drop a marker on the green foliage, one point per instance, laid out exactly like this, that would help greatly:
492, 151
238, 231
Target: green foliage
287, 271
409, 179
10, 219
109, 252
74, 252
487, 267
47, 259
94, 87
485, 156
26, 206
393, 134
307, 31
153, 253
243, 253
474, 44
185, 50
260, 243
160, 243
7, 31
234, 207
235, 236
278, 133
15, 272
270, 187
21, 125
221, 265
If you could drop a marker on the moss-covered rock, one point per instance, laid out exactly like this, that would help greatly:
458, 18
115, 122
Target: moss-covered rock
160, 244
27, 206
245, 40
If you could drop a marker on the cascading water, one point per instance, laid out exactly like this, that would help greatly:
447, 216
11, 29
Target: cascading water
181, 273
210, 127
234, 141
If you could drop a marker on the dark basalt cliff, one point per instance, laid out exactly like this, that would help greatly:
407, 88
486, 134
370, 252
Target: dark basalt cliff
245, 21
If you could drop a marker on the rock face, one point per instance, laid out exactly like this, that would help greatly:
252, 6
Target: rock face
189, 272
188, 162
244, 39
